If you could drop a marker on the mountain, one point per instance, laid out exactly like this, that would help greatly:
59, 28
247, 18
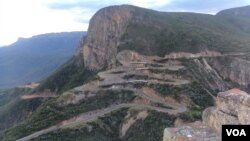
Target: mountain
158, 33
241, 12
137, 72
239, 17
35, 58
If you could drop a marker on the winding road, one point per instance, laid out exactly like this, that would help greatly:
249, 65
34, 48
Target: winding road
93, 115
111, 78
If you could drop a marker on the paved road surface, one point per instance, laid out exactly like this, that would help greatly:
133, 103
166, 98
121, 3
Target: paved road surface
93, 115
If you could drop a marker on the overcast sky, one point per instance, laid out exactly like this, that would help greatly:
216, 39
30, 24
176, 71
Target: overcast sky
25, 18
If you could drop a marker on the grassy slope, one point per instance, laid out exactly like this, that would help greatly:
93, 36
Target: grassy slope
107, 129
12, 109
239, 17
151, 32
104, 129
50, 113
151, 129
71, 74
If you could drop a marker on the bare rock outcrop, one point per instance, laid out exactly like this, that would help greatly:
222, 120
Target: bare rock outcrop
105, 30
232, 107
236, 69
196, 131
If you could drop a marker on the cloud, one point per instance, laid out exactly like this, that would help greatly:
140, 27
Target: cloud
97, 4
84, 4
203, 6
84, 9
24, 18
200, 6
28, 17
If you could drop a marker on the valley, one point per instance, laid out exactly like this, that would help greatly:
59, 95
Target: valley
35, 58
136, 74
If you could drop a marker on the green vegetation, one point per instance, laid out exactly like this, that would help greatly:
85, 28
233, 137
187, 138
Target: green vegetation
70, 75
196, 71
150, 33
195, 91
16, 111
134, 76
240, 20
199, 95
161, 105
50, 113
117, 72
178, 73
158, 33
167, 90
154, 65
104, 129
7, 95
107, 129
143, 77
150, 129
193, 114
13, 109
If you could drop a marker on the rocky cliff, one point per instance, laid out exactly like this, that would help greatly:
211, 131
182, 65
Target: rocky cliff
235, 69
105, 30
232, 107
116, 28
191, 132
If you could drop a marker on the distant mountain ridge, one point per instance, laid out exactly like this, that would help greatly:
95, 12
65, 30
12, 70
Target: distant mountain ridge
239, 11
239, 17
32, 59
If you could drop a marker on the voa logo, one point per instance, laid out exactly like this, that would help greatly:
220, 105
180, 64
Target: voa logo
236, 132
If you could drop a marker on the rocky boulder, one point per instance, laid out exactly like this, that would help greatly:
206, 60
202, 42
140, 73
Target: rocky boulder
232, 107
196, 131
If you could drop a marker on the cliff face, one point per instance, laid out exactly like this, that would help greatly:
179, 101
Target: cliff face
191, 132
232, 107
116, 28
207, 75
235, 69
105, 30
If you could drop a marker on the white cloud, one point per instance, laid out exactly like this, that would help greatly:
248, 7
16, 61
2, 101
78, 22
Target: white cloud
24, 18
